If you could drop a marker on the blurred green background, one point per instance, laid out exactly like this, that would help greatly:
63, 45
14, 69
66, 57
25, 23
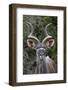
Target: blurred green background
39, 23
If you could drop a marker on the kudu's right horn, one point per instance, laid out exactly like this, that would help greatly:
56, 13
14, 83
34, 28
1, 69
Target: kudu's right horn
32, 41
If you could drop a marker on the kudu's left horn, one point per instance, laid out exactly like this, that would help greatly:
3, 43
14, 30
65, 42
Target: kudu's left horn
48, 40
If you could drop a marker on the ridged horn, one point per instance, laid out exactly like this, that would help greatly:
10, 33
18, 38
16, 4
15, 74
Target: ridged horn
48, 39
32, 30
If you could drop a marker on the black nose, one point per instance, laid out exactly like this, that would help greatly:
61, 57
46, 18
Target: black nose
41, 51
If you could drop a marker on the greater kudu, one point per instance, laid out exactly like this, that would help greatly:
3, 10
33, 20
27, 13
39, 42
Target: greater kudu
44, 64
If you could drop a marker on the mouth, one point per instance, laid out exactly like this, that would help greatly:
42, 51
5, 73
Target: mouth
41, 57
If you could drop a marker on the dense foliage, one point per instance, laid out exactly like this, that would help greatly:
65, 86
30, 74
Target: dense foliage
39, 23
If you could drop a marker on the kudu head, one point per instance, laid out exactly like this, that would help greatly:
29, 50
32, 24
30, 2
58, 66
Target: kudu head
40, 47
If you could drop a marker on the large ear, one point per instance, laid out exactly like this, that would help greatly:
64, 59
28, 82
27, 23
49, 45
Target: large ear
48, 41
32, 43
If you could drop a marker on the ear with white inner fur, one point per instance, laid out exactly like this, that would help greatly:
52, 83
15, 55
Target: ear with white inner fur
32, 43
48, 42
